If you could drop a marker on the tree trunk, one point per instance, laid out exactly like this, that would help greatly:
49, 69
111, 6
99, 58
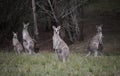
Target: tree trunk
35, 20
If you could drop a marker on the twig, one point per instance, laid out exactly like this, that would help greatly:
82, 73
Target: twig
53, 12
73, 9
45, 10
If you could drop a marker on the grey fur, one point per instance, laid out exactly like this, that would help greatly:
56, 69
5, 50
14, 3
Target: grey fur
96, 43
17, 45
28, 42
61, 48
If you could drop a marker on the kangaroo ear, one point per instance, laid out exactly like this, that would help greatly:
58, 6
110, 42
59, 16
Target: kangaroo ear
59, 27
101, 25
96, 26
16, 33
102, 36
53, 27
23, 23
13, 32
27, 24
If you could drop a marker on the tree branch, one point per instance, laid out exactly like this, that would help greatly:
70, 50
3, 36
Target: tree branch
71, 10
53, 12
45, 10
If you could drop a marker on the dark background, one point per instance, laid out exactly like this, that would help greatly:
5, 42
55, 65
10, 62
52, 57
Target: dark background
91, 13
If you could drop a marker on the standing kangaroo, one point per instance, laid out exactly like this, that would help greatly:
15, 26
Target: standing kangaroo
28, 42
17, 45
96, 44
61, 48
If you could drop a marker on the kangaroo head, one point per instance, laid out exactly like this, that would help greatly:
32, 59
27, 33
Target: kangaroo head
25, 26
99, 28
14, 35
56, 29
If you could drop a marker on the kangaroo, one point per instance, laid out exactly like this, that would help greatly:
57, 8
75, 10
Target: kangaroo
61, 48
17, 45
28, 42
96, 44
99, 30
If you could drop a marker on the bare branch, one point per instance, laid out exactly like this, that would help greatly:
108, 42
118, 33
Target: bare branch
45, 10
53, 12
63, 11
72, 9
68, 12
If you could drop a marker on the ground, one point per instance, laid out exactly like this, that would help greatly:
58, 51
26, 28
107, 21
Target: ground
46, 64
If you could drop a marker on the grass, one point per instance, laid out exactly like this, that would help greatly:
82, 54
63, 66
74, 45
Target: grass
46, 64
